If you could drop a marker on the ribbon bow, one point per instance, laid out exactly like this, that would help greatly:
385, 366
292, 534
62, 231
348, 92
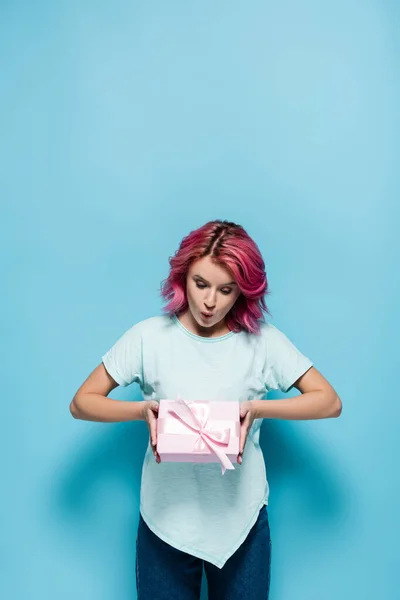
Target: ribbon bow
195, 416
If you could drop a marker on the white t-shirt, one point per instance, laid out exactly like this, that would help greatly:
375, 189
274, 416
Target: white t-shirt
191, 506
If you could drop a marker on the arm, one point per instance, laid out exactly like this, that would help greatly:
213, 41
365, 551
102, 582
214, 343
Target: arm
90, 402
318, 400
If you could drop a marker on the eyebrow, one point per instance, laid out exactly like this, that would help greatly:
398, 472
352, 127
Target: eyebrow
223, 285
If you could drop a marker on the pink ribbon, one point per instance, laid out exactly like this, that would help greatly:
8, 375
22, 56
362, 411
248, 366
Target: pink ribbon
195, 416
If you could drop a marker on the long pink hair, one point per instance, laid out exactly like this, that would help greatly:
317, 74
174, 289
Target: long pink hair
229, 246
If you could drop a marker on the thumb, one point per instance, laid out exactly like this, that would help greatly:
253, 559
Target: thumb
243, 411
153, 405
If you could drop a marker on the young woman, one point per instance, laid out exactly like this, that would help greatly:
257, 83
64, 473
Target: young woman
211, 343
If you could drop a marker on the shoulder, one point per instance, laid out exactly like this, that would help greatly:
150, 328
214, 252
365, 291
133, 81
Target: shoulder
273, 338
266, 328
150, 325
263, 339
268, 331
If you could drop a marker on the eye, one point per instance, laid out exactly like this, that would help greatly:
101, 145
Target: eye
202, 285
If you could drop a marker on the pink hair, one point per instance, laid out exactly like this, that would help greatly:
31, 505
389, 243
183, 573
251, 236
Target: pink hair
229, 245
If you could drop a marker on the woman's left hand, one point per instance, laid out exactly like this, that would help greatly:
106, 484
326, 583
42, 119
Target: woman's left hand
247, 416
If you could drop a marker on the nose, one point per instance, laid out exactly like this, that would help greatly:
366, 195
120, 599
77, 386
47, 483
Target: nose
210, 300
210, 304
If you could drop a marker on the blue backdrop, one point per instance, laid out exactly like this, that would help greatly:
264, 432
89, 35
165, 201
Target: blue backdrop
124, 125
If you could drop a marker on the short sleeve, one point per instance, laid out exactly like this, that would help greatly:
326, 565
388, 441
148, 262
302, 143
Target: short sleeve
124, 359
284, 363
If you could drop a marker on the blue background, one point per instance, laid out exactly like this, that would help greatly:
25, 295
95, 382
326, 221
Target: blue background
125, 125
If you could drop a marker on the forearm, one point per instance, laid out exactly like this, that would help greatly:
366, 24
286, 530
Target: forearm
95, 407
310, 405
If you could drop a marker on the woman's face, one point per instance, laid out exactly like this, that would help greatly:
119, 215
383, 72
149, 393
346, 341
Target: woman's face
210, 288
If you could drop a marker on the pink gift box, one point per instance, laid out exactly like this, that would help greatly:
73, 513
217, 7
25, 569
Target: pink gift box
198, 431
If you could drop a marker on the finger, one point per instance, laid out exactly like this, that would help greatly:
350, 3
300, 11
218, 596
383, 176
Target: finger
243, 410
243, 431
155, 453
241, 451
242, 440
154, 406
240, 458
243, 434
153, 421
153, 439
153, 434
243, 443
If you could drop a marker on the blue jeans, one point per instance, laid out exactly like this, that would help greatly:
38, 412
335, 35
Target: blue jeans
164, 572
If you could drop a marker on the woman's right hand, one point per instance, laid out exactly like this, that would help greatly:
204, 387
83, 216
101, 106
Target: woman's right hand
150, 415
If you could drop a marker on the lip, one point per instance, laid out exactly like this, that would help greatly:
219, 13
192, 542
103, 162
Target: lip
207, 315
